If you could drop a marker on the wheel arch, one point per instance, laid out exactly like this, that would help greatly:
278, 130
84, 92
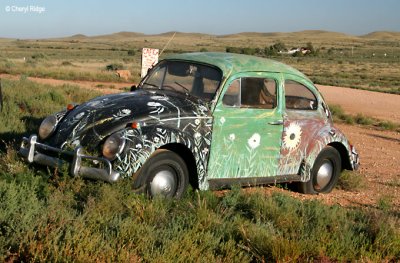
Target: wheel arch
186, 154
344, 154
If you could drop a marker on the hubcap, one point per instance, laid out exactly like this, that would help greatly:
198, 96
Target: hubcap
164, 183
324, 175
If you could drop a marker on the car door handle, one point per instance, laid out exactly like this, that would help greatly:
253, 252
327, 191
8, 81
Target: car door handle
278, 122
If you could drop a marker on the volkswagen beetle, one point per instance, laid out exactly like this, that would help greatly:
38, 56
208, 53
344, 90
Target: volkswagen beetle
205, 119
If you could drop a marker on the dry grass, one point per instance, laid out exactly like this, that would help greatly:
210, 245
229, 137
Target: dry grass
343, 60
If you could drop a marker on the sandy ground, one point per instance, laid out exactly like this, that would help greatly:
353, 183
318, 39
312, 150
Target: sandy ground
379, 150
373, 104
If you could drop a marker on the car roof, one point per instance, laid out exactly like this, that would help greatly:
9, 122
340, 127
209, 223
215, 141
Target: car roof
231, 63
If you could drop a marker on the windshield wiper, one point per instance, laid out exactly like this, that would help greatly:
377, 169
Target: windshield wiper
183, 87
151, 85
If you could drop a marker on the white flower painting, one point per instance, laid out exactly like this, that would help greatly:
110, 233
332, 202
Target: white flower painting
254, 141
292, 137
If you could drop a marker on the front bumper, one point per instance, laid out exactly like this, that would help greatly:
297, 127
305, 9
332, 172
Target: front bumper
32, 150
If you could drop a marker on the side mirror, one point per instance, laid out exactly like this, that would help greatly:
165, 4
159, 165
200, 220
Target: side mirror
133, 88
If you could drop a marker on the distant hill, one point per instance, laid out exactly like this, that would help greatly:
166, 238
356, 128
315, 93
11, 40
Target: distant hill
320, 34
306, 35
119, 35
78, 36
252, 34
383, 35
181, 34
300, 34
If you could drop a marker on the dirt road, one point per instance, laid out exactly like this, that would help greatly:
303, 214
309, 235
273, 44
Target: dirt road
373, 104
103, 87
379, 150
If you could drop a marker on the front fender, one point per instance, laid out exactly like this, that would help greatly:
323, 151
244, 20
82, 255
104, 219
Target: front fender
143, 142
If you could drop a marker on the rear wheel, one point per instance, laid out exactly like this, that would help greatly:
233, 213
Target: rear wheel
324, 174
164, 174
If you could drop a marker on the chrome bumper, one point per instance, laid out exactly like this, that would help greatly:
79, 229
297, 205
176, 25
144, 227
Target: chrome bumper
29, 150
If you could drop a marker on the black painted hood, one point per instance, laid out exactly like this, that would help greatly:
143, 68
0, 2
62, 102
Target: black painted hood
89, 123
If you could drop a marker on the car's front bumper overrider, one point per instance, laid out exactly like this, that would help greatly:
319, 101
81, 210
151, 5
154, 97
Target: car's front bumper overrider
32, 150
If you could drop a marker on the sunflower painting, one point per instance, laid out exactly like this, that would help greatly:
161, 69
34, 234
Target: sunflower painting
292, 136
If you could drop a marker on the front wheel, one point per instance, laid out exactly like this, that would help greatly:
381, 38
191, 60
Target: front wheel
324, 174
164, 174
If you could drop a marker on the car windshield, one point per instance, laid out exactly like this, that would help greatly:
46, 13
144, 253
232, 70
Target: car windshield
190, 78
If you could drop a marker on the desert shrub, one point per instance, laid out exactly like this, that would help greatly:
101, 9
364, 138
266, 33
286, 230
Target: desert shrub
388, 125
350, 181
245, 50
76, 220
131, 52
66, 63
364, 120
114, 66
9, 64
233, 50
39, 56
20, 209
339, 115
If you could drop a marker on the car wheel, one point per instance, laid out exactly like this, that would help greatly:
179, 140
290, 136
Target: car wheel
164, 174
324, 174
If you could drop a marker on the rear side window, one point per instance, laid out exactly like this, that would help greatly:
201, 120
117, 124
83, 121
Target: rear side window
299, 97
251, 93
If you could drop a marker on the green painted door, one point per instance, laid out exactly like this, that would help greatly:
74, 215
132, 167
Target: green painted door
247, 128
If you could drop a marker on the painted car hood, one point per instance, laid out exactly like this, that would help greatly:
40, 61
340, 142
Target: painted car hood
89, 123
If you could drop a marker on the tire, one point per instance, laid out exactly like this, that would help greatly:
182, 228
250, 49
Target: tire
324, 174
163, 174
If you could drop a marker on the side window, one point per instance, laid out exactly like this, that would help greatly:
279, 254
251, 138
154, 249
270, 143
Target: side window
299, 97
232, 95
251, 93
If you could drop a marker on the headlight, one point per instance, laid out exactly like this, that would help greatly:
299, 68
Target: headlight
47, 127
113, 145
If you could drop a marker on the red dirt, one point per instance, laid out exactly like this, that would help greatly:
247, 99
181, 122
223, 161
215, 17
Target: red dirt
379, 150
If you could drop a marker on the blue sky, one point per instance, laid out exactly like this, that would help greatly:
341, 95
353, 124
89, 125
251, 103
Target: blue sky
57, 18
